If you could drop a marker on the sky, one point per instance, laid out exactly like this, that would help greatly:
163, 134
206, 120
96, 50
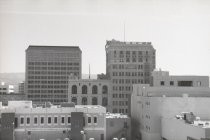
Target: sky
178, 29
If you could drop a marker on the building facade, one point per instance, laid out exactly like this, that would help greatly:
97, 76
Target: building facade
162, 78
128, 63
6, 89
90, 92
23, 122
150, 104
21, 88
47, 72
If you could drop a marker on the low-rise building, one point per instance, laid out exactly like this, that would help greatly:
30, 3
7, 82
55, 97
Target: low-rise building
162, 78
6, 89
90, 92
180, 129
149, 104
78, 122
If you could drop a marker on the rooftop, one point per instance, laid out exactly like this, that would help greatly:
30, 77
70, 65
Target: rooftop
115, 115
43, 47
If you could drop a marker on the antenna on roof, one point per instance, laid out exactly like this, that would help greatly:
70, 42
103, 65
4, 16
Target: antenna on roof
124, 31
89, 71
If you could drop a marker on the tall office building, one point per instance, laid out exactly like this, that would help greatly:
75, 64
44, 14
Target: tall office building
47, 72
128, 63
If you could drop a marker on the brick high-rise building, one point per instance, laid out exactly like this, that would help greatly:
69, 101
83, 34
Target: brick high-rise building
47, 72
128, 63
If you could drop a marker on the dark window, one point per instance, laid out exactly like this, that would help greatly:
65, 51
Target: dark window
89, 119
84, 100
84, 89
62, 119
55, 120
69, 119
35, 120
104, 101
74, 89
42, 120
171, 83
21, 120
28, 120
162, 83
74, 100
104, 89
94, 101
95, 119
185, 83
49, 120
16, 122
94, 89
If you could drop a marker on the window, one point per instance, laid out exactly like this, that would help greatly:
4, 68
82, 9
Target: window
171, 83
69, 119
104, 101
89, 119
49, 120
16, 122
42, 120
55, 120
84, 100
74, 89
162, 83
28, 120
21, 120
104, 89
84, 89
74, 100
185, 83
94, 101
94, 89
35, 120
62, 120
95, 119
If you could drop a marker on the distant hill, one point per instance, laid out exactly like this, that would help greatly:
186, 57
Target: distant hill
16, 78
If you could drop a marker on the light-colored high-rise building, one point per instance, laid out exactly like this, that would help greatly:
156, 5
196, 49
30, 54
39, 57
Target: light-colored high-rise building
47, 72
128, 63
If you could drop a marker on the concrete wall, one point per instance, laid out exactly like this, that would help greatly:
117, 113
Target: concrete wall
174, 129
115, 128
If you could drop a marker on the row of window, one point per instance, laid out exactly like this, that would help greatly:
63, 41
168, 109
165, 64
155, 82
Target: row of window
52, 68
41, 72
127, 81
48, 77
121, 110
130, 73
85, 89
134, 53
47, 82
53, 63
120, 95
84, 101
48, 86
49, 120
47, 91
122, 88
47, 96
115, 66
120, 103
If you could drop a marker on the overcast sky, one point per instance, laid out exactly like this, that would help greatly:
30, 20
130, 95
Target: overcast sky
178, 29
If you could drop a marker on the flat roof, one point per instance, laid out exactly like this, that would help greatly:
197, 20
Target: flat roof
46, 47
